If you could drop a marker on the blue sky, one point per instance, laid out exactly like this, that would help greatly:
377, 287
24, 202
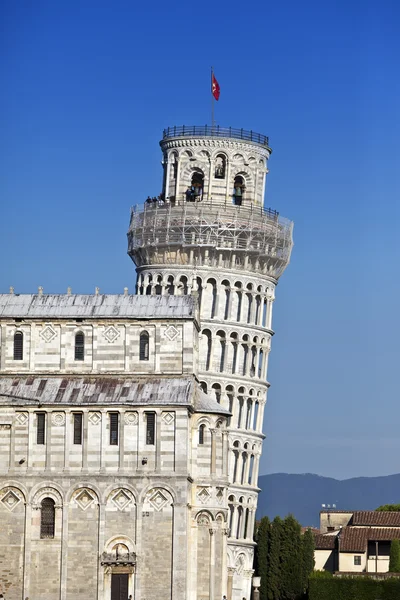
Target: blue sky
87, 88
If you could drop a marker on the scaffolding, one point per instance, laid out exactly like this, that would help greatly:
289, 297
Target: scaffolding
210, 234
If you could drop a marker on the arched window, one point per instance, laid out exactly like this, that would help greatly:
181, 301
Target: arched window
18, 345
240, 412
144, 346
220, 166
79, 346
244, 462
246, 523
248, 413
201, 434
195, 192
231, 506
251, 468
238, 190
170, 285
47, 518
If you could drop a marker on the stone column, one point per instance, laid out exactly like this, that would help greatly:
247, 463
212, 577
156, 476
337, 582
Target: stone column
213, 451
167, 167
225, 453
231, 573
213, 532
178, 176
210, 174
27, 550
253, 309
64, 552
224, 587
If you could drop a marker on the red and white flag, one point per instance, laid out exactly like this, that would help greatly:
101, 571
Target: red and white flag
215, 89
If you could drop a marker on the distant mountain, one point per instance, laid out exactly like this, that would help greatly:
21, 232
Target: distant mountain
302, 495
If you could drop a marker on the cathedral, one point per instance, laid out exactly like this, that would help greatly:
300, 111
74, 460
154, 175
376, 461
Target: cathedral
131, 425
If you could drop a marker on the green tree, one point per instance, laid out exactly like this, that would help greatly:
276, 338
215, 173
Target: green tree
389, 507
262, 554
308, 561
291, 559
394, 562
274, 562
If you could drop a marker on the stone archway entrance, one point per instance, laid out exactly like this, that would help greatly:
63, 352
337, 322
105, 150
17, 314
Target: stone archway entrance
119, 573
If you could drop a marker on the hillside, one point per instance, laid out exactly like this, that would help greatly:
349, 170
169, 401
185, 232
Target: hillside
302, 495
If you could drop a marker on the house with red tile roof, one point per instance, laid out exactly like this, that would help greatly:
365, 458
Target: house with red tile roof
355, 542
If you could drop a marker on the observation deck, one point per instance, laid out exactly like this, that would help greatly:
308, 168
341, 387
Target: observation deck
215, 131
211, 235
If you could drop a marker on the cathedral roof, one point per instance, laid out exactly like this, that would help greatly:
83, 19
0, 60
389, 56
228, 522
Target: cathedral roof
106, 391
92, 306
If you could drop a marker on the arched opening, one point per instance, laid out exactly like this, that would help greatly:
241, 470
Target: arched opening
220, 166
18, 345
236, 461
253, 361
183, 285
149, 286
256, 408
248, 412
208, 343
239, 521
251, 467
231, 507
170, 285
246, 523
199, 291
201, 434
238, 190
244, 463
158, 287
217, 392
229, 393
144, 346
212, 287
260, 363
240, 411
79, 346
227, 291
249, 306
195, 192
258, 309
47, 518
203, 386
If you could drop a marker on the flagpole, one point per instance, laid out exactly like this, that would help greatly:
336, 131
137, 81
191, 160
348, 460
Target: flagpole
212, 102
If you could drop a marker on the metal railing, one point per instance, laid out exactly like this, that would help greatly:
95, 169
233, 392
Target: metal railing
215, 131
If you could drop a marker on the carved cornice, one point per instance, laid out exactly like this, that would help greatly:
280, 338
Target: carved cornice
223, 143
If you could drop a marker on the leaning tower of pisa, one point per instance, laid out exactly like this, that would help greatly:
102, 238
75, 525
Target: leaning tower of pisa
208, 234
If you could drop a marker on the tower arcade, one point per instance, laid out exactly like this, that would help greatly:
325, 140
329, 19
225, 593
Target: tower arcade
209, 235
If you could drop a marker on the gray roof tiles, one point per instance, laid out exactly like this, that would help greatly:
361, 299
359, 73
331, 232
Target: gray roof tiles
106, 391
95, 306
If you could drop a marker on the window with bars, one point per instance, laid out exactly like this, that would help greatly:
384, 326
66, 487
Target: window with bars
47, 518
40, 428
78, 422
18, 345
150, 428
114, 429
79, 346
144, 346
201, 434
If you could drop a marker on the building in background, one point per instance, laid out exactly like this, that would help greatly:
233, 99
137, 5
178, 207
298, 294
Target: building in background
131, 426
355, 542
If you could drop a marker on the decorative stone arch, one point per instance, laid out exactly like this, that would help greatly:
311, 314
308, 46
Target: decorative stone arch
161, 486
11, 483
83, 485
12, 496
113, 490
191, 168
220, 518
185, 153
234, 441
204, 518
46, 489
119, 539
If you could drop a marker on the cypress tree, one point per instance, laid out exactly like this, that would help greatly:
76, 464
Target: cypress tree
394, 562
308, 561
262, 554
274, 562
291, 559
